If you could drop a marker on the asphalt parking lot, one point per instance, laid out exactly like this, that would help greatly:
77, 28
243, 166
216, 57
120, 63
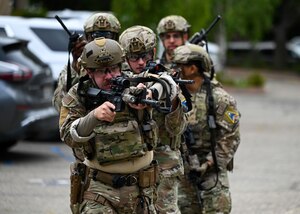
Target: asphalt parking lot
266, 178
34, 176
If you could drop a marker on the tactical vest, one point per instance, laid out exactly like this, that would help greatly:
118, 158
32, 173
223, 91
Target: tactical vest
130, 135
198, 121
123, 139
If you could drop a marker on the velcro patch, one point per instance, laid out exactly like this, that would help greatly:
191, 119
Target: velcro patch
231, 115
221, 109
67, 99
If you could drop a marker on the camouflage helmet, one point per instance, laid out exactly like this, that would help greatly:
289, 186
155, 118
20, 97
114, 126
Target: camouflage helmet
101, 52
138, 39
172, 23
192, 53
102, 22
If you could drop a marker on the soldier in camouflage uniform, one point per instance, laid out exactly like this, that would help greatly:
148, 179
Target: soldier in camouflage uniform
213, 190
173, 32
97, 25
139, 43
120, 175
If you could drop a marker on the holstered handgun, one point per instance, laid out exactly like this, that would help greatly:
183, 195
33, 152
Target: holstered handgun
78, 181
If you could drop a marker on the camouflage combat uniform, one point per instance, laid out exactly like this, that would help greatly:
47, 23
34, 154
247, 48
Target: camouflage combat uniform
98, 22
214, 195
109, 139
172, 23
122, 175
61, 90
168, 154
138, 40
227, 138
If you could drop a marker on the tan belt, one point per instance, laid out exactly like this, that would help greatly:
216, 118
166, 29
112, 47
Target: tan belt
96, 197
143, 178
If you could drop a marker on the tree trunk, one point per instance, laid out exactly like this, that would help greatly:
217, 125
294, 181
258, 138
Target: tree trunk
288, 13
21, 4
221, 35
5, 7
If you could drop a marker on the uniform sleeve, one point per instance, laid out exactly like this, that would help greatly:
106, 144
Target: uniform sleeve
71, 110
61, 87
176, 121
227, 134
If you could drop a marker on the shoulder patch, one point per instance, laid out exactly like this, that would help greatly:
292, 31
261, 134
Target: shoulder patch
221, 109
67, 100
231, 115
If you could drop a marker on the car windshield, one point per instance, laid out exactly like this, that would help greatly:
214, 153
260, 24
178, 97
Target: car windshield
55, 39
2, 32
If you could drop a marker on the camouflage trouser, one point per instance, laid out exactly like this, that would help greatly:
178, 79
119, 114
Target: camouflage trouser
167, 192
216, 200
123, 200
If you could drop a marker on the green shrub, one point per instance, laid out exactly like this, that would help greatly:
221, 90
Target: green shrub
254, 79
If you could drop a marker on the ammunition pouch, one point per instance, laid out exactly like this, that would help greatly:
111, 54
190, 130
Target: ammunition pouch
143, 178
150, 133
78, 182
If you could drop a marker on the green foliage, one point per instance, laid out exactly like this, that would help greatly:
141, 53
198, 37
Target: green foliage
30, 12
149, 12
249, 19
255, 79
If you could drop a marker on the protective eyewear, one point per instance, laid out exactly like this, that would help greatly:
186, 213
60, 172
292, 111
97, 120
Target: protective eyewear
106, 70
105, 34
144, 56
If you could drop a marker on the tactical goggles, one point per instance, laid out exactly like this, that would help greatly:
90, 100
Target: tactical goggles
105, 34
106, 70
146, 56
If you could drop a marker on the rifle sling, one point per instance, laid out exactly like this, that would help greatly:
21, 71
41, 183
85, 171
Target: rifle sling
211, 120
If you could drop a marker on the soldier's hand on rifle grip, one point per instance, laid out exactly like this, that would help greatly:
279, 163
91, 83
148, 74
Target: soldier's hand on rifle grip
105, 112
140, 106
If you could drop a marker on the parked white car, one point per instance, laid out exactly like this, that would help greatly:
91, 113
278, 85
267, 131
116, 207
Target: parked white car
47, 38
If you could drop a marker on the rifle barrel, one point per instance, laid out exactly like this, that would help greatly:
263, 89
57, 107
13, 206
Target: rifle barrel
213, 23
63, 25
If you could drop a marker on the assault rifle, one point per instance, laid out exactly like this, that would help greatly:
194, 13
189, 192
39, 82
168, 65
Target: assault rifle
187, 156
73, 37
98, 96
157, 68
199, 38
117, 96
201, 35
